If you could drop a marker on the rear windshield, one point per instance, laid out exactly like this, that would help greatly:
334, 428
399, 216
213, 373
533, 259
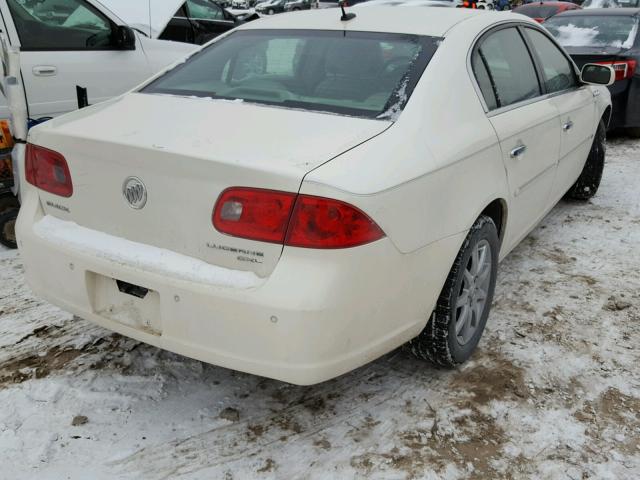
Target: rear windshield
536, 11
351, 73
594, 30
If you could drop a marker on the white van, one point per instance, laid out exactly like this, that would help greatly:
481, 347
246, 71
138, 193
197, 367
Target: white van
69, 43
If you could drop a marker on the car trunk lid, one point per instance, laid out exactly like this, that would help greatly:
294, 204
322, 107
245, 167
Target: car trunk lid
186, 151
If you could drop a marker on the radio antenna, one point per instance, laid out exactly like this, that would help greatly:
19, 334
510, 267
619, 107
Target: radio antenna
346, 16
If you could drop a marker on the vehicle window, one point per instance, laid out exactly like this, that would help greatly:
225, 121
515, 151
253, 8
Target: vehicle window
558, 72
536, 11
594, 30
60, 25
204, 10
484, 81
352, 73
510, 67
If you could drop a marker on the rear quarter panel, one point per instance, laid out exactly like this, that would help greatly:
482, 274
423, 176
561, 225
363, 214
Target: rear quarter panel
432, 173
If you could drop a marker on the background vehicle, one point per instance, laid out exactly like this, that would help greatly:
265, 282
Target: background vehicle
270, 7
243, 4
64, 43
295, 5
198, 21
476, 172
477, 4
543, 10
409, 3
610, 37
601, 4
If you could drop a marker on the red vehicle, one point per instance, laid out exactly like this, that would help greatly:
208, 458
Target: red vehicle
540, 11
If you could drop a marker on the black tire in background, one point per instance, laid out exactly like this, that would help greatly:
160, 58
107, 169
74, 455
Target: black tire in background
440, 342
589, 180
8, 228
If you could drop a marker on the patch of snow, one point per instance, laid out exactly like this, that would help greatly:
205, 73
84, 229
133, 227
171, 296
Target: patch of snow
84, 241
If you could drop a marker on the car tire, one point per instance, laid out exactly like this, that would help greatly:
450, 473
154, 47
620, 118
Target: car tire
8, 201
633, 132
589, 180
8, 228
454, 329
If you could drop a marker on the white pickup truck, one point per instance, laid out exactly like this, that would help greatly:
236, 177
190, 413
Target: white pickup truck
64, 43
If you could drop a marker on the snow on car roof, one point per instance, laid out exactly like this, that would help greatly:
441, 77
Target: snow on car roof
432, 21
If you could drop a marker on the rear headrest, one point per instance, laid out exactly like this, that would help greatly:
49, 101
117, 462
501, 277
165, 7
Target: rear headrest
354, 58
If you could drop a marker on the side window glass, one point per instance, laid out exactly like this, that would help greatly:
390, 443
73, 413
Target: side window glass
204, 10
60, 25
510, 67
557, 70
484, 81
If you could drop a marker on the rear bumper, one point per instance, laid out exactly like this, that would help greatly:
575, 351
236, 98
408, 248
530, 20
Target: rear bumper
318, 315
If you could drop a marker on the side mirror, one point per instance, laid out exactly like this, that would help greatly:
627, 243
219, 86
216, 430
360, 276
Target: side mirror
125, 38
594, 74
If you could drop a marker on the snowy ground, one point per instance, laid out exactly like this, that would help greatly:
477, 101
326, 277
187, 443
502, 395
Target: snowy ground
553, 393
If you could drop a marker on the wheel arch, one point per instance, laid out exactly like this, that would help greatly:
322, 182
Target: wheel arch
497, 211
606, 116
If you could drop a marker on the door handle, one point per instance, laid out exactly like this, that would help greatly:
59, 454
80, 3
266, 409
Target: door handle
567, 126
45, 70
519, 150
595, 93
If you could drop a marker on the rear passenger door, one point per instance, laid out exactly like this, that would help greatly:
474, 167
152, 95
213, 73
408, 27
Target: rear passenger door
526, 123
575, 105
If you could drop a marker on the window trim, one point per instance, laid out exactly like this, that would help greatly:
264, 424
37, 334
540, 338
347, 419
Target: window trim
91, 7
544, 95
475, 51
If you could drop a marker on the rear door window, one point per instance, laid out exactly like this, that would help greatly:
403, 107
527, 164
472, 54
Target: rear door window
557, 70
510, 67
60, 25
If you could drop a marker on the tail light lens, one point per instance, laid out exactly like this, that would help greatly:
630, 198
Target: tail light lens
48, 170
623, 68
254, 213
319, 222
295, 220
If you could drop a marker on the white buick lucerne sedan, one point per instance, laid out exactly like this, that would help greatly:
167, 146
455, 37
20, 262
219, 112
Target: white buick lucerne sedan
306, 193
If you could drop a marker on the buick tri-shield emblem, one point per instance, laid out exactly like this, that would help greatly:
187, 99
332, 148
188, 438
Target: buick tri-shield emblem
135, 192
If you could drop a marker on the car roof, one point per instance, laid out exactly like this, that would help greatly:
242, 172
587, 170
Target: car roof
430, 21
622, 12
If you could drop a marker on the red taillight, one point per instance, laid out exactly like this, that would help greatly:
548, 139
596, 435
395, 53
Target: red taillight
623, 68
295, 220
253, 213
48, 170
319, 222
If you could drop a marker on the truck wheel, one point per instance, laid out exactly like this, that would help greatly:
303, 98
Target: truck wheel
457, 323
8, 228
589, 180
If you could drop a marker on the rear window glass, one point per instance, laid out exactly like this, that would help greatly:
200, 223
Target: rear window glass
536, 11
594, 30
352, 73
